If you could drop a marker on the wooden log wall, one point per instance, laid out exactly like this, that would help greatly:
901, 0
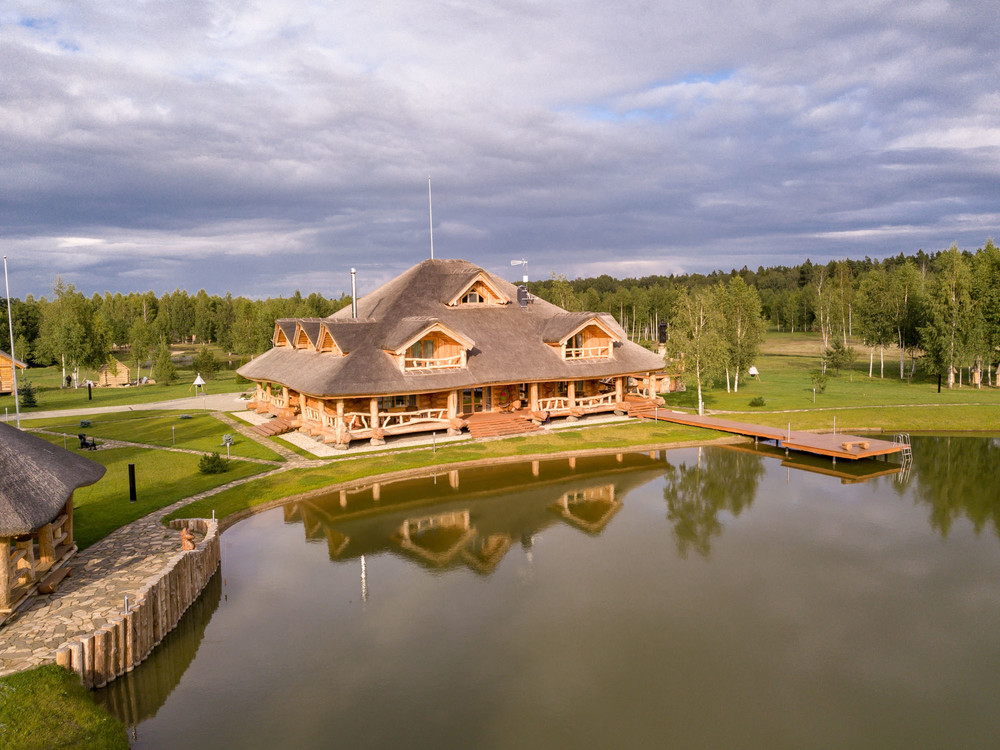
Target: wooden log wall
124, 643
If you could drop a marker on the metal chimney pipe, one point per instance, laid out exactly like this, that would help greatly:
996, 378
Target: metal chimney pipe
354, 293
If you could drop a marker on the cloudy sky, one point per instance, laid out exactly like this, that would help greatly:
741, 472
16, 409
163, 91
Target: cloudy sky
262, 147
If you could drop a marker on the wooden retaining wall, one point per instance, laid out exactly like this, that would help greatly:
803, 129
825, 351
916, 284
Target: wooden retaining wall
122, 644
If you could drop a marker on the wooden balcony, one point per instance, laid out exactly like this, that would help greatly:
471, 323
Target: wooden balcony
433, 363
588, 352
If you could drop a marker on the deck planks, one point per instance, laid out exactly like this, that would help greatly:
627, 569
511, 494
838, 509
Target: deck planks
828, 444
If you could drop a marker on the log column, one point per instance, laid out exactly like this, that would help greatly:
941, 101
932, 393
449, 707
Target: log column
533, 397
27, 562
619, 388
46, 546
571, 393
452, 404
5, 577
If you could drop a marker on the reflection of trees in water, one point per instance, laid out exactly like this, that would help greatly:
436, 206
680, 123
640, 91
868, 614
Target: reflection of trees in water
721, 480
956, 476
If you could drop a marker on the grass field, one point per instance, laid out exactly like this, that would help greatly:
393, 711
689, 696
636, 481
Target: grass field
161, 477
51, 396
48, 707
788, 363
195, 431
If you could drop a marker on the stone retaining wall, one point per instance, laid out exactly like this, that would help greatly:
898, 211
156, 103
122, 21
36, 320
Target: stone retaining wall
122, 644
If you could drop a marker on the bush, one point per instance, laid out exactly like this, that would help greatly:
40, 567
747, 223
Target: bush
241, 380
819, 381
26, 390
213, 464
758, 401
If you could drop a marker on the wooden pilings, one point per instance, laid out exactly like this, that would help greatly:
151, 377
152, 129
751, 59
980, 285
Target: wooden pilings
122, 644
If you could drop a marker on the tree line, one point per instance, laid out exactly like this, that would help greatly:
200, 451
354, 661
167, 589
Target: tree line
941, 310
76, 331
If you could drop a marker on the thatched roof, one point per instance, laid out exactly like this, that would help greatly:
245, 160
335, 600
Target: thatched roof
36, 480
19, 363
509, 340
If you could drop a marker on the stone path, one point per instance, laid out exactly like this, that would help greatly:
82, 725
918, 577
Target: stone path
103, 575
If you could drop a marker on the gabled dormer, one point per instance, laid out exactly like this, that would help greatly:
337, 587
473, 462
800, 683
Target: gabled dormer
587, 339
434, 347
284, 332
326, 343
480, 290
306, 335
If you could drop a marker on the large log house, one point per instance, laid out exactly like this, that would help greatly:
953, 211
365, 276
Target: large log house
438, 345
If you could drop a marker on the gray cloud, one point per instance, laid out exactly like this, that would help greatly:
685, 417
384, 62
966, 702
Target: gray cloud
261, 149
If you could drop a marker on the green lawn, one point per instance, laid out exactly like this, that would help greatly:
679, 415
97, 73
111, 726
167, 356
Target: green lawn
48, 707
786, 371
200, 431
51, 396
161, 477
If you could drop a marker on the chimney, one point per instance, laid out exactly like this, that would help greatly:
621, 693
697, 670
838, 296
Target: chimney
354, 293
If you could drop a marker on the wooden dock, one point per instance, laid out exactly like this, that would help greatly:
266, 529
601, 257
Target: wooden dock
835, 445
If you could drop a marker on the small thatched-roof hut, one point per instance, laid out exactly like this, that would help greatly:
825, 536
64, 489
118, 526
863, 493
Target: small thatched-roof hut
114, 374
7, 365
37, 481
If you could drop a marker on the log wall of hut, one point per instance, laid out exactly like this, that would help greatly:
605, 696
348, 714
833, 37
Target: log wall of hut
28, 558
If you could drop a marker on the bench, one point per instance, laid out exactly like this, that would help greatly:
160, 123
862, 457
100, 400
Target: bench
87, 443
849, 444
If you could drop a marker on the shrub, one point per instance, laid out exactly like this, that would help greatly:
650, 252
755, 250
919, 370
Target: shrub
819, 381
758, 401
28, 396
213, 464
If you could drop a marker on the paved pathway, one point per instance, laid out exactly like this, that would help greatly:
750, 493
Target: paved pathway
103, 575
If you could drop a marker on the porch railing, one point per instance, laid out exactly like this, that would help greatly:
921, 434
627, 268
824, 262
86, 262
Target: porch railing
553, 404
601, 399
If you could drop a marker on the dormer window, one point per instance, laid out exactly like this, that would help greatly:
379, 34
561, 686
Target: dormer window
434, 348
592, 342
422, 349
480, 290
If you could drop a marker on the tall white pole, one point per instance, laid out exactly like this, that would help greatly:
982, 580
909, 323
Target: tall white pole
13, 364
430, 214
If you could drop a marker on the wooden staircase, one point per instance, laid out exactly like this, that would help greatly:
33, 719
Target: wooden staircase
645, 409
272, 427
500, 424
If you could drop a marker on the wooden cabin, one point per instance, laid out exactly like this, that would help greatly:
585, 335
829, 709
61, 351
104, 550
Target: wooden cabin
7, 365
436, 346
114, 374
37, 482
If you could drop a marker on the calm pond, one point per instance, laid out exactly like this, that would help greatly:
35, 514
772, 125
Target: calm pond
691, 598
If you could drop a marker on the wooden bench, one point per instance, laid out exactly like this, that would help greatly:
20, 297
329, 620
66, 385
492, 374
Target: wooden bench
849, 444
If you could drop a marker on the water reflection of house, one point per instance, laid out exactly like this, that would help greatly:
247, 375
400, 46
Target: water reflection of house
590, 509
426, 523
